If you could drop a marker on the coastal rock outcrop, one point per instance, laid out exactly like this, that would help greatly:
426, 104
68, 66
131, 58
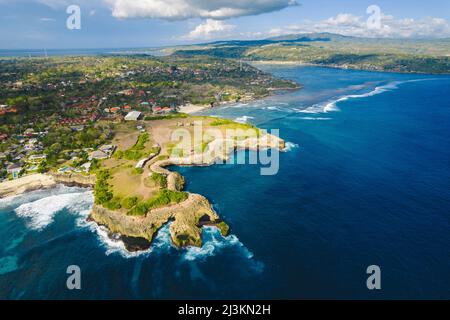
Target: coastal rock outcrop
188, 217
186, 221
74, 179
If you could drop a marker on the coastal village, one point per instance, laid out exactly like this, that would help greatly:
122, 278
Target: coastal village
58, 113
106, 123
27, 156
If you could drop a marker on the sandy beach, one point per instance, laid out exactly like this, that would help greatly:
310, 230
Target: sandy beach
26, 184
192, 108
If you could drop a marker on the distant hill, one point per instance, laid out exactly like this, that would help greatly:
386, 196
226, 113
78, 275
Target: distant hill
324, 36
328, 49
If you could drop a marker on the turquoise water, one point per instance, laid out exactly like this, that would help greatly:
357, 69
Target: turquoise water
366, 181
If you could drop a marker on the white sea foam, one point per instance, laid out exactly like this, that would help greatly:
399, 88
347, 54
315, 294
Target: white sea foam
213, 243
10, 203
40, 213
243, 119
116, 246
273, 108
290, 146
316, 118
236, 105
162, 240
331, 106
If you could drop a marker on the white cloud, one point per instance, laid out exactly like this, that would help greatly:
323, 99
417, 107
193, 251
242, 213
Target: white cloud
47, 20
209, 29
186, 9
351, 25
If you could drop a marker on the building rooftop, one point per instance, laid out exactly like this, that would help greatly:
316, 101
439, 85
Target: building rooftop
133, 116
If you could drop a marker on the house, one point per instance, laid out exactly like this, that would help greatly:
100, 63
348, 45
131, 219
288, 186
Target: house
65, 169
34, 167
29, 132
133, 116
86, 167
14, 169
99, 155
103, 152
37, 158
108, 149
78, 128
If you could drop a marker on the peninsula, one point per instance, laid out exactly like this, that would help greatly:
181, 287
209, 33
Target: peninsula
135, 192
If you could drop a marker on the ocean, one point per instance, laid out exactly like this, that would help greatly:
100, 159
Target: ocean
25, 53
366, 181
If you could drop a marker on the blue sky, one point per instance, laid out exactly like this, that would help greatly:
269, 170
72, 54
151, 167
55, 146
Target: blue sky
27, 24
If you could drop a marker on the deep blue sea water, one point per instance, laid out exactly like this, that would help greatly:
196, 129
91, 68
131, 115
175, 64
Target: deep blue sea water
366, 181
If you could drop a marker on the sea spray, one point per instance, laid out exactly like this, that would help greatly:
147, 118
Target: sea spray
162, 241
331, 106
316, 118
40, 213
291, 146
214, 242
10, 203
243, 119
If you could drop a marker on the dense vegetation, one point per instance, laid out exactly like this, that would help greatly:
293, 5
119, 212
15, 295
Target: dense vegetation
46, 89
163, 198
137, 151
135, 206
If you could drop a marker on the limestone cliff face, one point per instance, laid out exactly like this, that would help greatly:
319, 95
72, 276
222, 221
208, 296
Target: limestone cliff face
74, 179
186, 220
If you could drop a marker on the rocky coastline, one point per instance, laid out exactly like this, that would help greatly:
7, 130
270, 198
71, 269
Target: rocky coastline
137, 232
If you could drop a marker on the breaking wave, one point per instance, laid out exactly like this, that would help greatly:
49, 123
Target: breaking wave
331, 106
273, 108
290, 146
234, 105
10, 203
38, 214
243, 119
161, 242
316, 118
214, 242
